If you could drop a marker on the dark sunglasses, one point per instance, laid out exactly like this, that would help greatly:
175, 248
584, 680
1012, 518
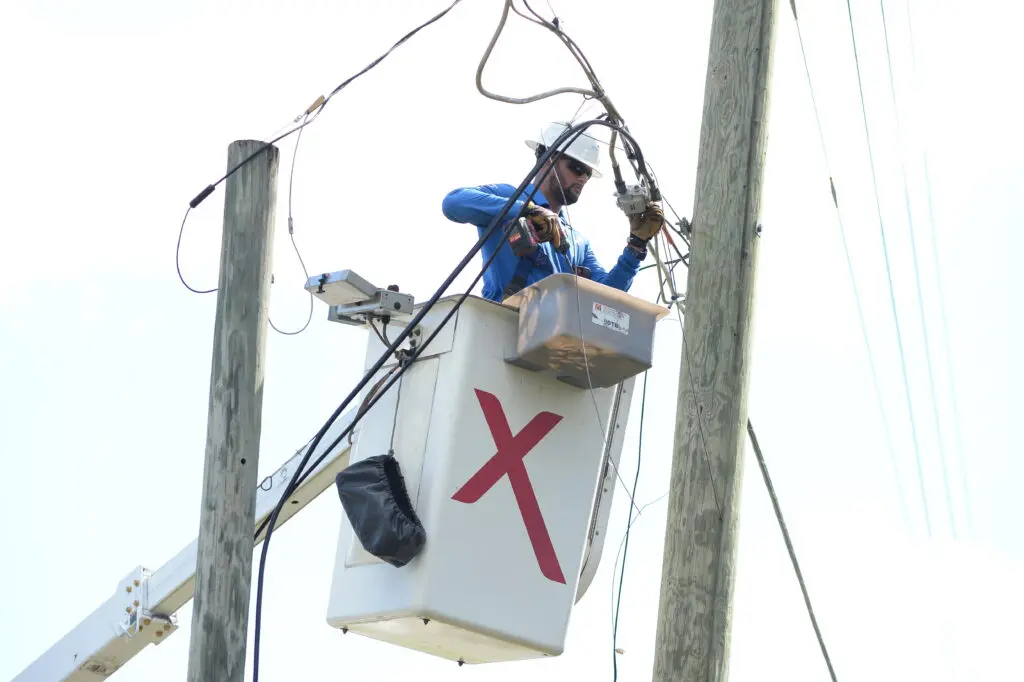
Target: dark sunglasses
578, 168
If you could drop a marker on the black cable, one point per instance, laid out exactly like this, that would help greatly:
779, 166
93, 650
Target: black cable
376, 331
319, 106
479, 275
177, 258
301, 475
315, 110
629, 523
445, 320
789, 546
421, 347
301, 472
401, 40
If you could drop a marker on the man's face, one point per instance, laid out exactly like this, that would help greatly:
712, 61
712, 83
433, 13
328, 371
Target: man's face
568, 177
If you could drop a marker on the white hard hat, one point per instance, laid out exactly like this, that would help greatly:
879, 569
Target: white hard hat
584, 148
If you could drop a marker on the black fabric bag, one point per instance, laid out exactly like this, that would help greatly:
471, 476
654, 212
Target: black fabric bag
377, 503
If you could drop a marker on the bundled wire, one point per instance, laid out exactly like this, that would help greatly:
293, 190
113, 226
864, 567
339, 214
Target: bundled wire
596, 92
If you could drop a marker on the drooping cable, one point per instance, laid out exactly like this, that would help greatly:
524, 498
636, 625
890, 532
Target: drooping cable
291, 236
177, 258
625, 551
311, 114
595, 92
789, 548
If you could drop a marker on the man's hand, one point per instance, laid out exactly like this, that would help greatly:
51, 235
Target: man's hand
647, 224
545, 223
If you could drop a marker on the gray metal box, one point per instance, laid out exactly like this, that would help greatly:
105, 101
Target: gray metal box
583, 333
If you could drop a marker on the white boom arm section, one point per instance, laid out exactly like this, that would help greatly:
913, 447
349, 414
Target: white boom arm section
143, 607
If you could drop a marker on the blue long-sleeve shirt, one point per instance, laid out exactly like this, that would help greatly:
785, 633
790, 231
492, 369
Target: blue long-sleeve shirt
479, 205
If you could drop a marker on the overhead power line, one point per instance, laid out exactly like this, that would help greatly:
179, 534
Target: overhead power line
917, 279
789, 548
311, 114
853, 279
942, 305
888, 271
677, 301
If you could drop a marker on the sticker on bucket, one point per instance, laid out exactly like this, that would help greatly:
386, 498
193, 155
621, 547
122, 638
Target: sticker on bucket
611, 318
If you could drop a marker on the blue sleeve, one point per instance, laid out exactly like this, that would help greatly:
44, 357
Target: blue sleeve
479, 205
622, 273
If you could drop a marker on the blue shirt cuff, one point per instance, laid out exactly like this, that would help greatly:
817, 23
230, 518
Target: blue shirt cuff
629, 257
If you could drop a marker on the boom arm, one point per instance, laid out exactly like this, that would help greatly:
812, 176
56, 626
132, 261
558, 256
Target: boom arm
143, 607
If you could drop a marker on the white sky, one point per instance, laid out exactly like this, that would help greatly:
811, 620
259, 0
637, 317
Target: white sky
119, 113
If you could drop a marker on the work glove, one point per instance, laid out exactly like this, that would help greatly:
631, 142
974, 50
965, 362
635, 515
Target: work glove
546, 224
647, 224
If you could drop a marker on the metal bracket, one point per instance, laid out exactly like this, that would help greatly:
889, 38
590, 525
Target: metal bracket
385, 304
355, 301
138, 618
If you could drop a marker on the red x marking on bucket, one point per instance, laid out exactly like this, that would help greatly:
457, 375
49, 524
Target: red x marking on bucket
509, 460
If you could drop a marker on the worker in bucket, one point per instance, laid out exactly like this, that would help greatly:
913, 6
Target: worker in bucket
557, 246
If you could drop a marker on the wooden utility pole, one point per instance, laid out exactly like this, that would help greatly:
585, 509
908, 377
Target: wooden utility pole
698, 571
220, 614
